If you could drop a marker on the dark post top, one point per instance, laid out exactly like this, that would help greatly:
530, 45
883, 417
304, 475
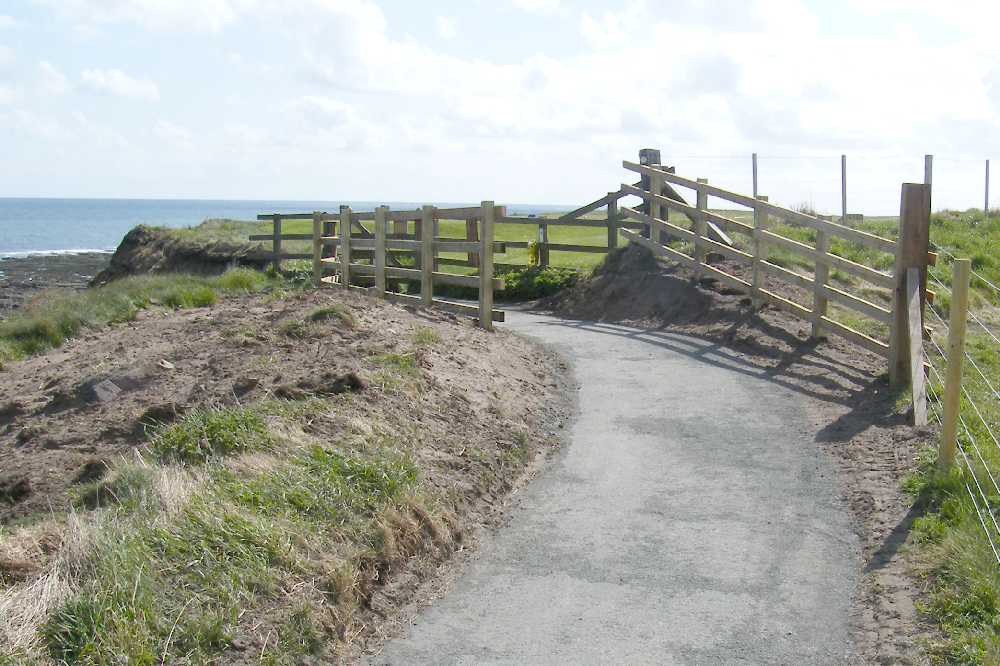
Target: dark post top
649, 156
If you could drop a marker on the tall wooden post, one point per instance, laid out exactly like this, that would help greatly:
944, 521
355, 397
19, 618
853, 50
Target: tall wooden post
276, 245
961, 270
760, 218
345, 246
648, 157
753, 162
427, 255
381, 219
911, 252
317, 250
612, 220
700, 228
488, 217
543, 244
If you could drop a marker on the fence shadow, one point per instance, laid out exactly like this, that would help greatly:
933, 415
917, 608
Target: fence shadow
808, 367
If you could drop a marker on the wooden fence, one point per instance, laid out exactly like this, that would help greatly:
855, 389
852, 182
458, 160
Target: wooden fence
366, 250
613, 222
909, 251
375, 255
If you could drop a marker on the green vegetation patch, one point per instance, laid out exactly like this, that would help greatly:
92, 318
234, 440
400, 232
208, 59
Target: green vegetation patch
154, 590
535, 282
320, 486
426, 337
50, 319
206, 433
334, 312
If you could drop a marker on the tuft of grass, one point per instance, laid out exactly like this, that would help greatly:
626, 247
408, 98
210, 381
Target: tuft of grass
426, 337
126, 487
297, 330
197, 296
206, 433
333, 311
403, 364
243, 280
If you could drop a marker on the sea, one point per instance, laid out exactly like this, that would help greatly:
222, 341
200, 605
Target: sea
67, 226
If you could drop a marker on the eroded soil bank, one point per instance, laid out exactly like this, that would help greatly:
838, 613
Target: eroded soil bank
467, 410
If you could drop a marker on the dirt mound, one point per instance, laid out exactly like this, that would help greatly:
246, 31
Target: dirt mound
631, 285
148, 250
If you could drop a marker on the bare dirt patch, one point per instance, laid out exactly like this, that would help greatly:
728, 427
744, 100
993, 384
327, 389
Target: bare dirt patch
856, 416
470, 408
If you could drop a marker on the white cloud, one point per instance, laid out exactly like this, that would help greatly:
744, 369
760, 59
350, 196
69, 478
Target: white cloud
7, 96
6, 57
51, 80
7, 22
446, 27
210, 15
538, 6
118, 83
173, 134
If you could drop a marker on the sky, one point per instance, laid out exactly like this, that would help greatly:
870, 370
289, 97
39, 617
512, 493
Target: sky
526, 101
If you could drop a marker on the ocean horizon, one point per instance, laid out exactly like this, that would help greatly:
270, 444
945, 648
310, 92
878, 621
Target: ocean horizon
51, 226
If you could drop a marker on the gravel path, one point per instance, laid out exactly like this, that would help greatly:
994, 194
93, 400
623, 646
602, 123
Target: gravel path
690, 519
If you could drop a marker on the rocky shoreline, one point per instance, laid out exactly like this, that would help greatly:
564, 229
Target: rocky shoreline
21, 278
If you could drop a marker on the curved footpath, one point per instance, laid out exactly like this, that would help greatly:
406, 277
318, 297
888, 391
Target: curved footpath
690, 519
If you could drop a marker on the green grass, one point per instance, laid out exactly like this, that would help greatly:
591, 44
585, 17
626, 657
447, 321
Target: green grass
332, 312
205, 433
178, 586
426, 337
963, 577
48, 320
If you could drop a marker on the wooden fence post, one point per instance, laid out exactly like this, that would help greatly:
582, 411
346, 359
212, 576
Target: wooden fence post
486, 266
700, 228
329, 229
543, 244
916, 346
760, 218
612, 220
317, 250
911, 252
427, 255
381, 215
276, 245
961, 270
418, 233
648, 157
345, 246
472, 235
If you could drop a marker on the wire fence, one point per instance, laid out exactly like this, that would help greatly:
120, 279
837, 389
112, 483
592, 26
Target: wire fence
977, 440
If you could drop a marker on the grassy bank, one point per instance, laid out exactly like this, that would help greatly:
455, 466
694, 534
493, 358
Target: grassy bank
223, 516
50, 319
953, 552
